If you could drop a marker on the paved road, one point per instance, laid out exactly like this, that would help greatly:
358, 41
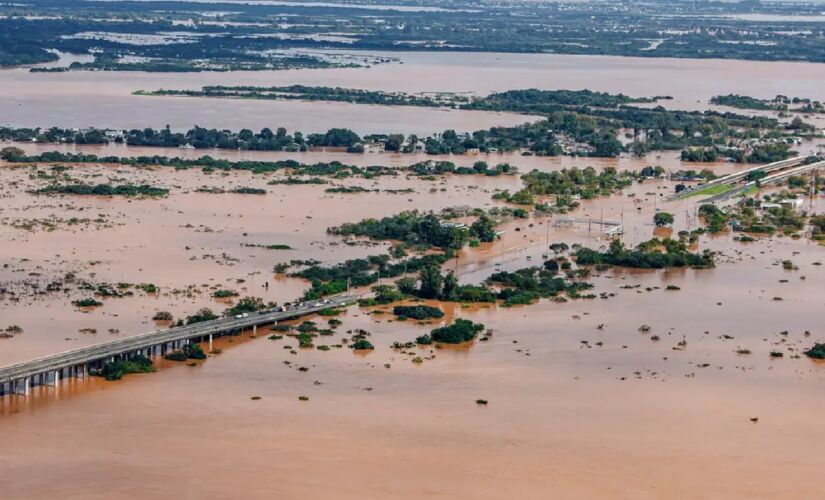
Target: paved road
765, 181
106, 350
738, 176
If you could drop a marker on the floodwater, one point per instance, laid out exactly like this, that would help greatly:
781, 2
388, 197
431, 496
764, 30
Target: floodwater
573, 409
581, 403
669, 160
104, 99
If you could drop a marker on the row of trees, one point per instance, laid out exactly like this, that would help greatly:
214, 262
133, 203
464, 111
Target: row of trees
652, 254
596, 128
760, 153
419, 229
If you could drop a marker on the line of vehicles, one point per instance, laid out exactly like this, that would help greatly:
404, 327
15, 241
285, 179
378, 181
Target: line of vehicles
297, 306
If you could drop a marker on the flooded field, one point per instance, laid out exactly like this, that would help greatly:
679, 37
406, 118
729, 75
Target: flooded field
662, 386
669, 160
572, 407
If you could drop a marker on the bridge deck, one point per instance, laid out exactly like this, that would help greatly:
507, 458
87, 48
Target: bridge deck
106, 350
765, 181
737, 176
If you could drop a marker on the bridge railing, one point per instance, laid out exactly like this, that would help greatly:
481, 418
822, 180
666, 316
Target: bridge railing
104, 350
736, 176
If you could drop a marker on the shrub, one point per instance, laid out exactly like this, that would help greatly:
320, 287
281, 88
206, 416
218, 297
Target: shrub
474, 293
194, 351
304, 340
115, 370
418, 312
104, 190
202, 315
461, 330
147, 287
87, 303
162, 316
551, 266
307, 326
362, 344
246, 305
816, 352
189, 351
424, 340
175, 356
518, 297
386, 294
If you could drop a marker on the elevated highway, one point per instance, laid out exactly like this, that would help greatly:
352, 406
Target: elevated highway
766, 181
735, 177
48, 370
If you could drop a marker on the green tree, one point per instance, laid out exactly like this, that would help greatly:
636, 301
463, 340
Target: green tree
450, 286
407, 285
639, 148
204, 314
394, 142
559, 247
385, 294
663, 219
246, 305
430, 277
551, 266
482, 229
10, 153
461, 331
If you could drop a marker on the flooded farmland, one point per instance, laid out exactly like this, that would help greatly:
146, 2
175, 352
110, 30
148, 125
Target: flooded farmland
662, 386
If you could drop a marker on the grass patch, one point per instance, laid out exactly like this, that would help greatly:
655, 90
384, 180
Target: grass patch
711, 190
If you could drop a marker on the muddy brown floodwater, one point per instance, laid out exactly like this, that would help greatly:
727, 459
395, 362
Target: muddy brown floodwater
581, 403
104, 99
574, 411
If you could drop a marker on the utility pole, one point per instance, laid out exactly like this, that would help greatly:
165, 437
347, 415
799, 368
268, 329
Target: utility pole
546, 238
621, 233
547, 233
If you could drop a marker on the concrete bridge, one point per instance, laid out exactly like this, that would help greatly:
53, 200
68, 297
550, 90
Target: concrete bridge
48, 370
766, 181
740, 175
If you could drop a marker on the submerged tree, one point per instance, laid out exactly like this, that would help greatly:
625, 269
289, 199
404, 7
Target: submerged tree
663, 219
